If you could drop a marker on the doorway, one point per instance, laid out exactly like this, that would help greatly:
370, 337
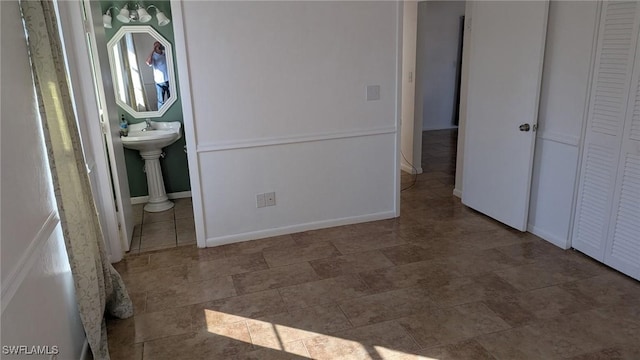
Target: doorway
440, 31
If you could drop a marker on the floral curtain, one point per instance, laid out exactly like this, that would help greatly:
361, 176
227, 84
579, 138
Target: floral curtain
99, 288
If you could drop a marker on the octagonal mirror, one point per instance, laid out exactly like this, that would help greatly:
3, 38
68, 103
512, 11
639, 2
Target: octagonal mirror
141, 63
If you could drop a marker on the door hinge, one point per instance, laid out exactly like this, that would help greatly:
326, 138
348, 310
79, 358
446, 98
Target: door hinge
87, 28
104, 127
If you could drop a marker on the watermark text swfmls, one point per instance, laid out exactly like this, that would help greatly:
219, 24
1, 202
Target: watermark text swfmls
30, 350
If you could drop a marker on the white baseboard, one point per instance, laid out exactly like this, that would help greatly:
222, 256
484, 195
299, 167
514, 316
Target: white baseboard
408, 169
554, 239
457, 193
171, 196
85, 353
253, 235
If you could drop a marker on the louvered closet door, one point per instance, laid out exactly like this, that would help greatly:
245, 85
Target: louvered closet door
623, 246
615, 57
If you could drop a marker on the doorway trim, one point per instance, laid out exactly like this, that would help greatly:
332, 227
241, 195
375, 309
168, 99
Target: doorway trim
417, 123
184, 74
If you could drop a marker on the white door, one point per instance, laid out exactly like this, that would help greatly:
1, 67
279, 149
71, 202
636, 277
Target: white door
506, 47
605, 128
86, 109
109, 121
105, 158
607, 220
623, 245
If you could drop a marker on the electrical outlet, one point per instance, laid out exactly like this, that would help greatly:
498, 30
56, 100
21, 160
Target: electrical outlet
270, 199
260, 201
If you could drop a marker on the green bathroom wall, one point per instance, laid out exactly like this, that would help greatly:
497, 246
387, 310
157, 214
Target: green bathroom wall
175, 168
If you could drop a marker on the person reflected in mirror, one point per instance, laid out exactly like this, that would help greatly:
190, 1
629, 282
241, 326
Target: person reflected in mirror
158, 61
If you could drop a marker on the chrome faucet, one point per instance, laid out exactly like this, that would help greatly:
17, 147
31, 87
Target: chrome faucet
148, 125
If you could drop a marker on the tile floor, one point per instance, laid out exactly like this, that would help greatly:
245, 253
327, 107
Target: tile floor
163, 230
440, 282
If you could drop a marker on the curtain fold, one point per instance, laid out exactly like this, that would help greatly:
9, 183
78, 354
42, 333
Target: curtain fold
99, 288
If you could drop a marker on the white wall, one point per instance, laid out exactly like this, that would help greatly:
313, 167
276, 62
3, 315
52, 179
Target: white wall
563, 101
278, 100
437, 61
38, 300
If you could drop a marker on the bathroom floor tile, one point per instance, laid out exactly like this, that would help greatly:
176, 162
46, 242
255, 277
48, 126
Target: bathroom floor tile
186, 238
163, 230
152, 217
158, 235
185, 225
183, 208
134, 248
159, 228
138, 211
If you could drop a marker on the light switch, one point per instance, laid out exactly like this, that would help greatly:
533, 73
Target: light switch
373, 92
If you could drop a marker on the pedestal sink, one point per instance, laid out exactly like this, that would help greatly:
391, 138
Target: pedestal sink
149, 138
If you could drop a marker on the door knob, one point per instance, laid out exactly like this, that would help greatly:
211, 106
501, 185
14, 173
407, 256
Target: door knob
525, 127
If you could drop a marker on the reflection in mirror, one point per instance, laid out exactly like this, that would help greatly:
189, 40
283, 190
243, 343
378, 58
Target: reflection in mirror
142, 69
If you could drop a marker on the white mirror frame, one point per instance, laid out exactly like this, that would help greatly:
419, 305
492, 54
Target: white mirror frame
144, 29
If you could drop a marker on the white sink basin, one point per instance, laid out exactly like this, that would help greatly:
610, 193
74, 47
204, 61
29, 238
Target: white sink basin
160, 135
150, 143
